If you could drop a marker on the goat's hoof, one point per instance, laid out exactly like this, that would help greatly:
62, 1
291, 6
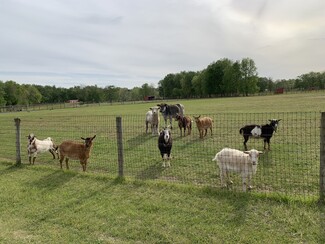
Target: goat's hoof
249, 188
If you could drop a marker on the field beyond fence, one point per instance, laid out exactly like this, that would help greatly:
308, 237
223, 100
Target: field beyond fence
291, 167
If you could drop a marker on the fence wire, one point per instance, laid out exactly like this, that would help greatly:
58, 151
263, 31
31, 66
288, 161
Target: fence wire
290, 167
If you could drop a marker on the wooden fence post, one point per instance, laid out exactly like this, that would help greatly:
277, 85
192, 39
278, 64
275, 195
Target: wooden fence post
120, 146
18, 157
322, 160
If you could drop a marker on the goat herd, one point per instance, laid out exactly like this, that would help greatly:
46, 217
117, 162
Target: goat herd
228, 160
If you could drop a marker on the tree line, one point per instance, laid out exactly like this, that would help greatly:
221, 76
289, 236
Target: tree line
221, 78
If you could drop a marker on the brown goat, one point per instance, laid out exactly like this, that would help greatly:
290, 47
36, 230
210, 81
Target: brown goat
184, 122
73, 150
203, 124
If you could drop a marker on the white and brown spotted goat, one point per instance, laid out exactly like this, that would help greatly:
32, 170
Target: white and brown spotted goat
36, 146
77, 151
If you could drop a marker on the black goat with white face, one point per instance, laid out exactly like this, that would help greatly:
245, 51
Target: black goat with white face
260, 132
165, 143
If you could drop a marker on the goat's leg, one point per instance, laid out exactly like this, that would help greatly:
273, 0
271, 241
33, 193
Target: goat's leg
168, 160
84, 165
206, 132
267, 140
61, 160
249, 183
52, 152
244, 183
211, 130
245, 140
222, 174
146, 127
67, 163
34, 158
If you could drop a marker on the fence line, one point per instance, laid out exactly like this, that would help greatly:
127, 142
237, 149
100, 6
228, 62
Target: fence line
291, 167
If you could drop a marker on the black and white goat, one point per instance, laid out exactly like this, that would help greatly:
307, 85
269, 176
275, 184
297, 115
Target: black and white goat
260, 132
169, 111
36, 146
165, 144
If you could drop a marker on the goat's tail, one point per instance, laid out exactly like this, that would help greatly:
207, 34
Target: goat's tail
241, 131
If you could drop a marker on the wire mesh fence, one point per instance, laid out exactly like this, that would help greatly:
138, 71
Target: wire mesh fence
290, 167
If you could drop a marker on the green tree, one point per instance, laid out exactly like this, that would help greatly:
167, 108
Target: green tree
12, 92
2, 94
249, 77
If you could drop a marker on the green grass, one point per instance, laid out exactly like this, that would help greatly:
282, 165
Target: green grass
292, 167
42, 205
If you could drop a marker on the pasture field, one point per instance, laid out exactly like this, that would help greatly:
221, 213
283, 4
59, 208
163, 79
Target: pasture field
291, 167
43, 204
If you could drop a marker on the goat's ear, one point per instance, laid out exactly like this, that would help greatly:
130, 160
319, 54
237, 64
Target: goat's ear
279, 120
82, 138
247, 152
94, 137
260, 152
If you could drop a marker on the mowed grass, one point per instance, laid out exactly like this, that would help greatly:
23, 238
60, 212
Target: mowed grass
41, 203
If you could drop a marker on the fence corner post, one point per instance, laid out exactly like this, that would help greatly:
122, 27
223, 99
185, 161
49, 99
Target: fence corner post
120, 146
322, 160
18, 157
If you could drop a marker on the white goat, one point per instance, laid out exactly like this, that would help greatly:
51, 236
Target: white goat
152, 118
36, 146
244, 163
73, 150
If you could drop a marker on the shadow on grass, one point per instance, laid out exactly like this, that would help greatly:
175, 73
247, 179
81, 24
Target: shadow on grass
11, 168
152, 172
54, 180
138, 140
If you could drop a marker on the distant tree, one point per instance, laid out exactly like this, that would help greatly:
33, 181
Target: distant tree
186, 84
124, 95
111, 93
2, 94
166, 86
136, 94
12, 92
29, 95
265, 84
197, 85
249, 77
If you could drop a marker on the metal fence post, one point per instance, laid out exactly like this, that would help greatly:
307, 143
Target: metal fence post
119, 146
322, 160
18, 157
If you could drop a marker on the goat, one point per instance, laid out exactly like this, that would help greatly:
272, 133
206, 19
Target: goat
152, 118
36, 146
165, 144
73, 150
203, 124
184, 122
260, 132
232, 160
169, 111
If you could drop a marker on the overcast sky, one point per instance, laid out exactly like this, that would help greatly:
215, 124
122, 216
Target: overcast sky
127, 43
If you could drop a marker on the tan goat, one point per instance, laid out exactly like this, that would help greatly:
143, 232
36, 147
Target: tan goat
77, 151
203, 124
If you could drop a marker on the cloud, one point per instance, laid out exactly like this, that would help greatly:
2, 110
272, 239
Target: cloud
128, 43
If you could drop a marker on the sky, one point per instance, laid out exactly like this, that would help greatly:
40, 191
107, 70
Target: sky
127, 43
